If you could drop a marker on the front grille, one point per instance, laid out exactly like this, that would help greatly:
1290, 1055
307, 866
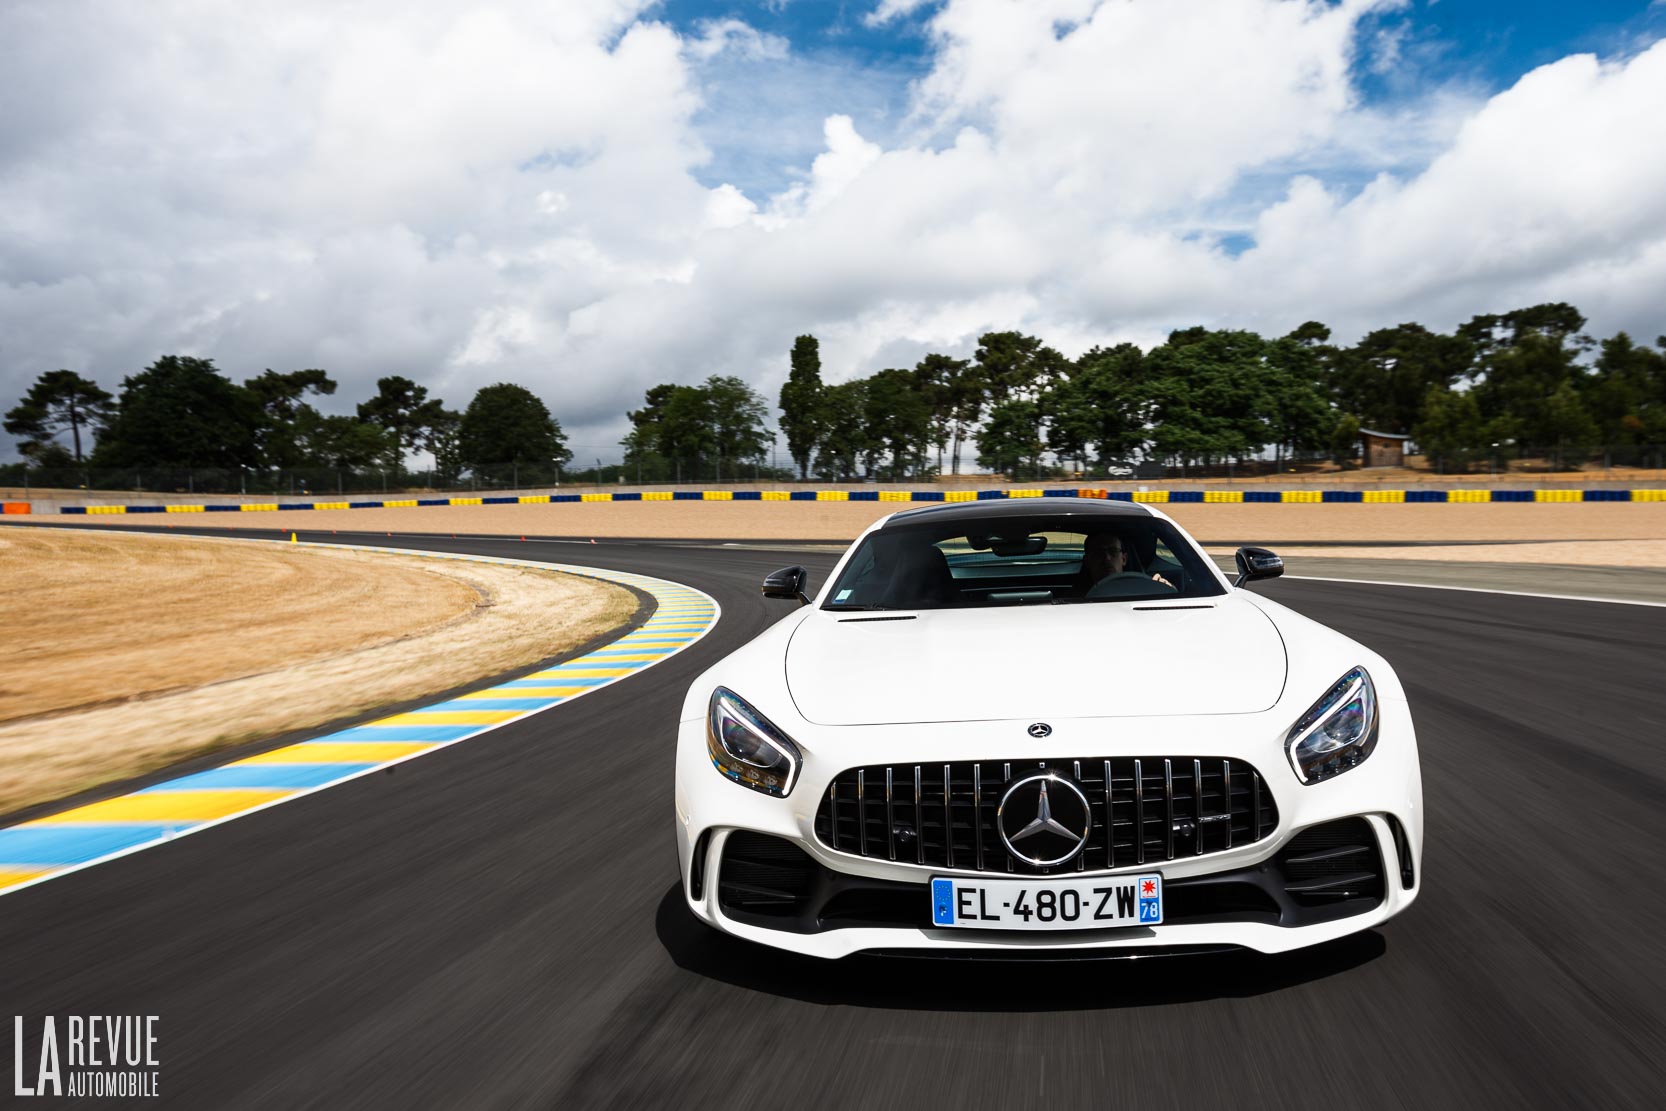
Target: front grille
1155, 809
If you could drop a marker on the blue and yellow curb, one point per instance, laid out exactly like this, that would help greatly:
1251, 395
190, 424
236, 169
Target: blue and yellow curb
41, 849
1159, 497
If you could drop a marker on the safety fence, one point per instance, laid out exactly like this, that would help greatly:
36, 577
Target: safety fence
1160, 497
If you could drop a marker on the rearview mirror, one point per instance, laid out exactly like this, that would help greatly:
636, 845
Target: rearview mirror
788, 582
1018, 546
1257, 563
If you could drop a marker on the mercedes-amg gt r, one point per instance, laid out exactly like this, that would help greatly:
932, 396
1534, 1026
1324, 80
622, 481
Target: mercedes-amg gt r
1045, 725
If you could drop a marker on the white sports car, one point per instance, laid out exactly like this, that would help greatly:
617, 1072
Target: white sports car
1045, 725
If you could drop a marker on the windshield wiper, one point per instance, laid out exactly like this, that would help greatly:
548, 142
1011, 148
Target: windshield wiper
852, 606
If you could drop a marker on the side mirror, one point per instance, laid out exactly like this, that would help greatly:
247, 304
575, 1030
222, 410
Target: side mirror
1257, 563
788, 582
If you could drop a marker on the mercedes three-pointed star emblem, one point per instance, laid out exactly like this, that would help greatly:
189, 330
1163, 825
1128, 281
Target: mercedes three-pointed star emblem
1044, 840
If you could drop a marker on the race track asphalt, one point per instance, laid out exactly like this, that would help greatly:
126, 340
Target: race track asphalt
497, 925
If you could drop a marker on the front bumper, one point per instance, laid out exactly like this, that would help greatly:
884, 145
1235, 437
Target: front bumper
1241, 897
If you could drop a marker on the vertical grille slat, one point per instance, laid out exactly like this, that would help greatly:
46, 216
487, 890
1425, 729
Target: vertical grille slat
833, 812
919, 818
890, 816
1006, 777
1139, 814
1217, 804
862, 808
1082, 857
1197, 807
948, 819
1226, 797
1168, 804
1110, 820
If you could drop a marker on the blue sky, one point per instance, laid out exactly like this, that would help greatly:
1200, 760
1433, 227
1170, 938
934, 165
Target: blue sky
840, 63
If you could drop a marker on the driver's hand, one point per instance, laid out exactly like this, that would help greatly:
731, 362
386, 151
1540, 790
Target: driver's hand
1165, 582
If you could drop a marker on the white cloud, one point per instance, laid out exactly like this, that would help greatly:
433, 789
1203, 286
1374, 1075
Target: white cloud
720, 35
510, 193
892, 9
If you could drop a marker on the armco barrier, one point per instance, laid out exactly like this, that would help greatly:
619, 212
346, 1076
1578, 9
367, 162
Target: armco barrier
1157, 497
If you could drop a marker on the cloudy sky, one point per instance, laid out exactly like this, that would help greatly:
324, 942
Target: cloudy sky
592, 196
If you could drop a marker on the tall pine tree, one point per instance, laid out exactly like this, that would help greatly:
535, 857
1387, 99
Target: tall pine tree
801, 403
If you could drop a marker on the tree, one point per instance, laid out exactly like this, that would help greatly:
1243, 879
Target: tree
182, 412
898, 420
739, 416
1557, 321
1016, 367
1384, 378
642, 443
59, 400
1105, 405
954, 391
404, 409
801, 403
1009, 436
844, 430
1301, 416
1525, 357
687, 431
444, 442
346, 443
1011, 364
1626, 395
1211, 395
940, 381
1450, 430
285, 418
1344, 440
506, 423
1568, 427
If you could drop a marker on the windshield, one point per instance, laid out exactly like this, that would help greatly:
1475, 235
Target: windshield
1010, 561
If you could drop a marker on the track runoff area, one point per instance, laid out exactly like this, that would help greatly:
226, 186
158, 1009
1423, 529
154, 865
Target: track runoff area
42, 849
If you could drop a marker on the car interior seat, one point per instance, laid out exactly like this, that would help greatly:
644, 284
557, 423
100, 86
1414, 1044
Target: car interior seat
921, 579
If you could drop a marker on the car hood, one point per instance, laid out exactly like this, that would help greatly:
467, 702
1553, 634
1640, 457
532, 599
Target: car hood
1110, 659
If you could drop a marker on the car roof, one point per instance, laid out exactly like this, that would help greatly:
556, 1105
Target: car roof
1017, 507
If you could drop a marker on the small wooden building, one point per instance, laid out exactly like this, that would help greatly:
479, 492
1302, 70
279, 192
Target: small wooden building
1383, 449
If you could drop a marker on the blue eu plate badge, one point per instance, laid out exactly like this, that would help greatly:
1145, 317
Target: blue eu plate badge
942, 902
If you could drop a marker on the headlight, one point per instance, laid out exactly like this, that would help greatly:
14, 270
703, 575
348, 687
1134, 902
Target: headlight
748, 749
1338, 732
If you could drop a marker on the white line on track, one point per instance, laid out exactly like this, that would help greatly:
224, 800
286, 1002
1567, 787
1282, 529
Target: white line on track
1482, 590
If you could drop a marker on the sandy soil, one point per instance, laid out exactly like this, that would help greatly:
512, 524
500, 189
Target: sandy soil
741, 521
126, 653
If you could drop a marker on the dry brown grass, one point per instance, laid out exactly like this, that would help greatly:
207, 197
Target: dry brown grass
124, 653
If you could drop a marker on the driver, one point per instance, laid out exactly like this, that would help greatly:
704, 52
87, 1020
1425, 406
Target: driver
1105, 554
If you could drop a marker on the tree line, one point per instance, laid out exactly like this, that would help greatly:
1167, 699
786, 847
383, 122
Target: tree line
1506, 383
182, 412
1501, 384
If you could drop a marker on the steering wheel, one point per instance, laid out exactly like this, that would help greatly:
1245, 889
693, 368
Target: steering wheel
1128, 584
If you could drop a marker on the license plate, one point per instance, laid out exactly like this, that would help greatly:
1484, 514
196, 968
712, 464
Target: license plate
1047, 904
